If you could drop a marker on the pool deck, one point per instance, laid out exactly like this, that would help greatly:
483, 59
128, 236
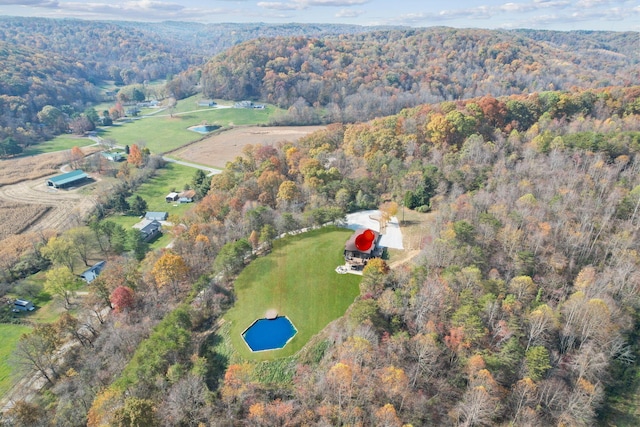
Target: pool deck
271, 314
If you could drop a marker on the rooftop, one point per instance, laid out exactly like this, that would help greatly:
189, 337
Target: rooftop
68, 177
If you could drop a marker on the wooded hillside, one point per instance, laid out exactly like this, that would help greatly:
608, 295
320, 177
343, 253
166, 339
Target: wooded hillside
361, 76
520, 309
61, 63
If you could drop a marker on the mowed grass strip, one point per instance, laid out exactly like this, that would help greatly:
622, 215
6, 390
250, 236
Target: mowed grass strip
298, 279
10, 335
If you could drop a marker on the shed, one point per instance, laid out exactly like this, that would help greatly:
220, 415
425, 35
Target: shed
93, 272
156, 216
22, 305
112, 157
172, 197
186, 196
67, 179
206, 103
243, 104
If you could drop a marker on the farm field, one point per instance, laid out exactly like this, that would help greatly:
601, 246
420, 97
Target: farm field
25, 168
296, 282
225, 146
162, 132
10, 335
59, 143
65, 207
17, 217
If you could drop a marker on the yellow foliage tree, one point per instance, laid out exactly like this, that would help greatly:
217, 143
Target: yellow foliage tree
170, 270
387, 416
376, 266
103, 408
387, 210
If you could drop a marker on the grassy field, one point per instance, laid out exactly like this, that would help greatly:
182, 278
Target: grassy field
10, 335
299, 283
162, 132
172, 176
59, 143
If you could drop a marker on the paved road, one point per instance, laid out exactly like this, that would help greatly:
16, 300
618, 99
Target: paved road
211, 171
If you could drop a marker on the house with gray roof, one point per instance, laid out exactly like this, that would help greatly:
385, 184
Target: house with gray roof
150, 229
90, 274
157, 216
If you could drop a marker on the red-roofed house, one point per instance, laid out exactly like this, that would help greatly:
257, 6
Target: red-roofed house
363, 245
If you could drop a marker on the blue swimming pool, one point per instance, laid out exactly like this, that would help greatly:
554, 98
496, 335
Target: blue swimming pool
269, 334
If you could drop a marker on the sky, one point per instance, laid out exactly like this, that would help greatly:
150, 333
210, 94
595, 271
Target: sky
608, 15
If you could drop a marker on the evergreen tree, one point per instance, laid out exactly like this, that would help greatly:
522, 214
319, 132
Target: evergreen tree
138, 206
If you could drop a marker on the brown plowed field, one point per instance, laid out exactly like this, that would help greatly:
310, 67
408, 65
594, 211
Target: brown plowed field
224, 147
28, 205
64, 208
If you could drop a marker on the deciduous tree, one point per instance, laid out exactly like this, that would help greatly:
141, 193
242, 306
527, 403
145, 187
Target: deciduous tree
62, 282
76, 156
136, 412
135, 156
60, 251
37, 349
122, 298
83, 241
170, 270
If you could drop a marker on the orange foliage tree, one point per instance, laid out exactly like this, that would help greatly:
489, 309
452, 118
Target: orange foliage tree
135, 156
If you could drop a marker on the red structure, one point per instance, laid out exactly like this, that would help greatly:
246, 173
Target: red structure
362, 246
365, 240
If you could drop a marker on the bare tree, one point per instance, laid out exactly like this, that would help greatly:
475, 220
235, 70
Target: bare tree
37, 350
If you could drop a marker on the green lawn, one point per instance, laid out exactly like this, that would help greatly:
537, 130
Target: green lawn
298, 279
162, 133
59, 143
172, 176
10, 335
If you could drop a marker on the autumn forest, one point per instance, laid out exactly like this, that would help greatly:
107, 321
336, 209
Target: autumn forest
513, 157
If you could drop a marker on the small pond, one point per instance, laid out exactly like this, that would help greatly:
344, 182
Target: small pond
204, 129
269, 334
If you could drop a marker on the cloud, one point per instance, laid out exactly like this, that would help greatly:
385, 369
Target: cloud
306, 4
411, 18
33, 3
139, 10
339, 3
588, 4
277, 5
349, 13
534, 5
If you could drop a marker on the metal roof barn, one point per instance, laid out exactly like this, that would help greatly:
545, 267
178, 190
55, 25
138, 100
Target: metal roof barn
67, 179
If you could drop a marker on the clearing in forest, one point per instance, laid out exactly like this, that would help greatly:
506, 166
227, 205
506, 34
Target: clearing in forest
298, 280
225, 146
